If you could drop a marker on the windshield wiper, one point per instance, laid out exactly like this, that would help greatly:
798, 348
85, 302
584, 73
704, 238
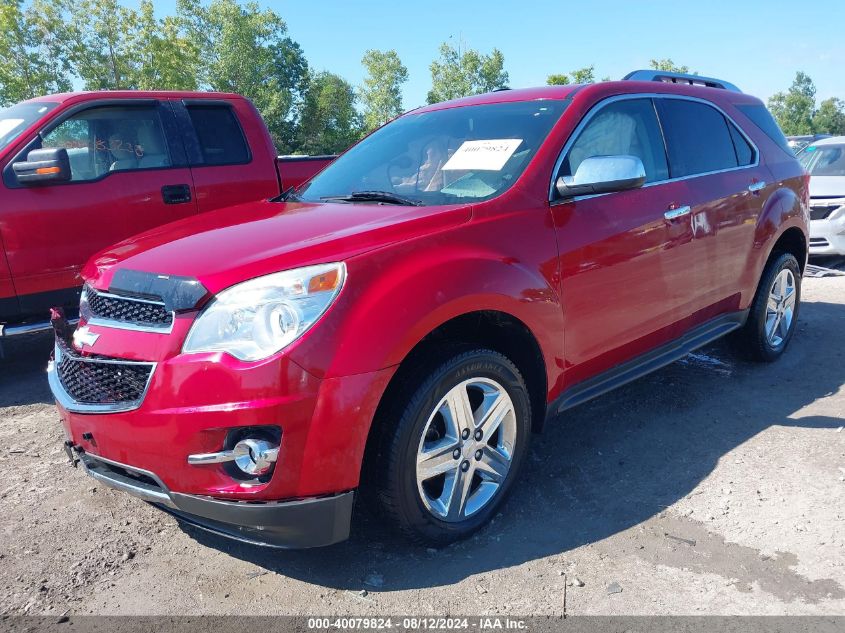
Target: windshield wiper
374, 196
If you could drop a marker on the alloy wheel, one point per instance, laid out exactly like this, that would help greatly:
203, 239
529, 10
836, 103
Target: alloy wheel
780, 308
466, 449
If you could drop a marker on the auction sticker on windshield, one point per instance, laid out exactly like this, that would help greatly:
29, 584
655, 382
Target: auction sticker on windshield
486, 155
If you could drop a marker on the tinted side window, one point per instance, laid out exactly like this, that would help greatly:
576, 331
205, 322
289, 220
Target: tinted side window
744, 151
623, 127
697, 138
112, 138
221, 139
763, 119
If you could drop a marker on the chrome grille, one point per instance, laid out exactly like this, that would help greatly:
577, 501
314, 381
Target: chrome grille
110, 309
99, 383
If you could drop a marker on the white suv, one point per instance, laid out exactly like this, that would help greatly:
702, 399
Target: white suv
825, 161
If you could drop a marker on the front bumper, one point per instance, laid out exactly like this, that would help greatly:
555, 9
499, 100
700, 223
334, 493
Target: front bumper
295, 524
827, 237
192, 404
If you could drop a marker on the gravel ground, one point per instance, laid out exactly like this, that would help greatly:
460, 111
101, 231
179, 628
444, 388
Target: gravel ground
712, 486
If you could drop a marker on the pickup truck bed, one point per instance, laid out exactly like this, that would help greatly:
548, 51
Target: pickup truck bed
295, 170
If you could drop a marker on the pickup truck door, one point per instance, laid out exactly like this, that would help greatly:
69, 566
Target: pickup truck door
229, 149
129, 173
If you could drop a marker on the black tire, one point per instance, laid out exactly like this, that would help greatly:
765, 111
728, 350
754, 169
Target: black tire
752, 338
406, 419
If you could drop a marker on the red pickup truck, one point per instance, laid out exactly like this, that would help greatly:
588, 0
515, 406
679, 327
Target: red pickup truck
83, 171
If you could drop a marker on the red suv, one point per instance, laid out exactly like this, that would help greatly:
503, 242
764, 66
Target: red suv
403, 322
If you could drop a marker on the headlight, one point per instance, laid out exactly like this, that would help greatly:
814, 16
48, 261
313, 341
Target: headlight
255, 319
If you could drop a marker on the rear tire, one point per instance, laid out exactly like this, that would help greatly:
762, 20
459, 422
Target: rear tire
774, 312
452, 450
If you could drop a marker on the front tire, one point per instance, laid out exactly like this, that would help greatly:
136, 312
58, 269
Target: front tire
774, 312
452, 451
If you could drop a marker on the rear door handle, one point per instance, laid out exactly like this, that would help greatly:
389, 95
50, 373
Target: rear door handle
754, 187
176, 194
679, 212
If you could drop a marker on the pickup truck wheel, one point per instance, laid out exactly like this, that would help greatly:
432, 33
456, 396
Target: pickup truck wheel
774, 312
460, 440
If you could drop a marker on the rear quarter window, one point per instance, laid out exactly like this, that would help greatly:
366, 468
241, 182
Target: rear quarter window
744, 151
763, 119
220, 136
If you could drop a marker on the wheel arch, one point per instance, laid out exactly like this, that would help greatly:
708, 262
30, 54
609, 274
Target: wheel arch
490, 329
793, 241
781, 227
497, 330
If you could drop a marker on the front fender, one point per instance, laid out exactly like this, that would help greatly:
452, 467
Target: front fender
396, 296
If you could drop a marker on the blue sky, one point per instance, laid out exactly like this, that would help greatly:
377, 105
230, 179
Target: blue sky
757, 45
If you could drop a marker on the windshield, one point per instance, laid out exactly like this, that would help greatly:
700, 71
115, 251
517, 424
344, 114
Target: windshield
824, 160
462, 154
15, 119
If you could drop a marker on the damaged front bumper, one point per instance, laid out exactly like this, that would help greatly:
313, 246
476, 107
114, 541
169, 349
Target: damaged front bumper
297, 524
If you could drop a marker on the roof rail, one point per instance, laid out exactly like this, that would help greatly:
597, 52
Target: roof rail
679, 78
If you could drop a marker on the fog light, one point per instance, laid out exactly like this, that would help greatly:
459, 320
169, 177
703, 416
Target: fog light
255, 457
252, 456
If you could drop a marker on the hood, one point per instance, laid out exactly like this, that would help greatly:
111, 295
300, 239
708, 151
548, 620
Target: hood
827, 186
224, 247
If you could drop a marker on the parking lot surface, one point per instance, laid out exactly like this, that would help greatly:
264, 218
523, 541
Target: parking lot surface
712, 486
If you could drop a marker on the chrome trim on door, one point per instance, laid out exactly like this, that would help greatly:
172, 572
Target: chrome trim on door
605, 102
674, 214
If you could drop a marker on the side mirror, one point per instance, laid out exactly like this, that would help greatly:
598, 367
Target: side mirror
43, 166
603, 174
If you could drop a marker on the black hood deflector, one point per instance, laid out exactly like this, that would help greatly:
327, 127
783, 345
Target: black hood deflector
177, 293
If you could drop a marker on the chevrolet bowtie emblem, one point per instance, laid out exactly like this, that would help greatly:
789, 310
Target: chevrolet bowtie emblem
83, 336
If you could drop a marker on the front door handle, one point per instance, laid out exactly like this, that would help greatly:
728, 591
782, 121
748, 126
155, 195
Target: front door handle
757, 186
678, 212
176, 194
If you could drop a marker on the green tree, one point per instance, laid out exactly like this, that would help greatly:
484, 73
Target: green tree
667, 65
381, 94
245, 49
32, 58
462, 73
586, 75
830, 117
328, 122
102, 44
795, 108
169, 60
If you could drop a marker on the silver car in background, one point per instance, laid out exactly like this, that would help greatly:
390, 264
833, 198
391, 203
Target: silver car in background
825, 162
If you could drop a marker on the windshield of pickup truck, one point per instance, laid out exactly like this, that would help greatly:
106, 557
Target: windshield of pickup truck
456, 155
15, 119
